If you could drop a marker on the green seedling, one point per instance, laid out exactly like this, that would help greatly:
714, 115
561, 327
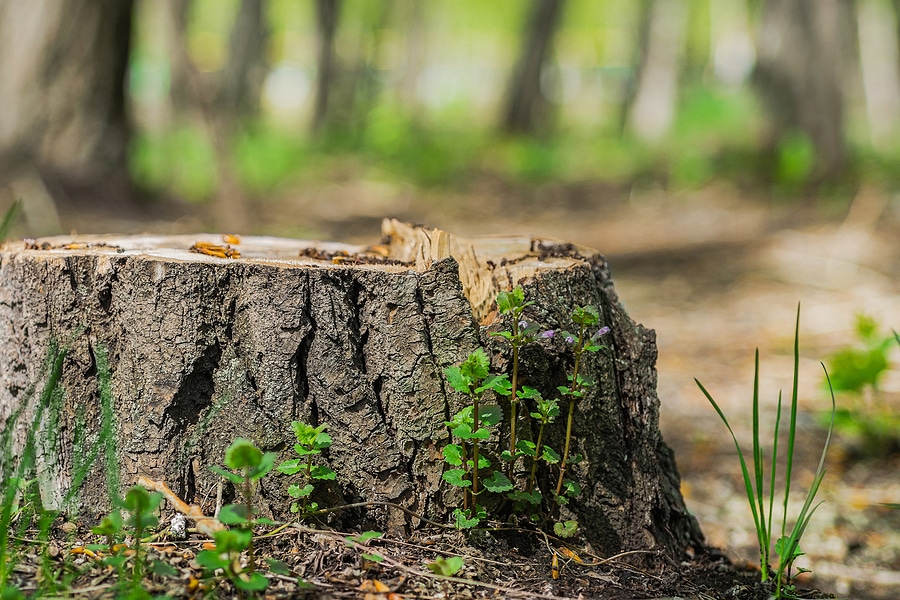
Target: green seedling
141, 506
446, 567
248, 464
856, 370
310, 443
787, 546
586, 318
363, 539
512, 304
470, 425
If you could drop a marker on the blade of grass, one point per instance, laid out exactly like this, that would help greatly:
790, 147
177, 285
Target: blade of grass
807, 511
748, 482
9, 218
792, 426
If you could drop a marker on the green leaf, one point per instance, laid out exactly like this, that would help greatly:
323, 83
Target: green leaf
304, 450
480, 434
212, 560
290, 467
322, 472
497, 483
507, 335
233, 540
490, 414
499, 384
456, 477
571, 489
549, 455
365, 536
782, 548
305, 434
254, 583
163, 569
264, 466
232, 477
295, 491
453, 454
139, 500
242, 454
526, 447
446, 567
585, 315
322, 441
278, 567
565, 529
529, 393
457, 380
373, 557
110, 525
12, 593
233, 514
463, 521
463, 431
477, 366
533, 497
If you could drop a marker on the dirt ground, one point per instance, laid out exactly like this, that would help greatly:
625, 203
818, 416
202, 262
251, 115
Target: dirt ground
717, 273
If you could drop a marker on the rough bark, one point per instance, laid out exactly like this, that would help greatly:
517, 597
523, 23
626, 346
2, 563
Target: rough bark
203, 350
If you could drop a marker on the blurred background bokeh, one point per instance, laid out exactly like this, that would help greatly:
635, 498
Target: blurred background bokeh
730, 157
182, 114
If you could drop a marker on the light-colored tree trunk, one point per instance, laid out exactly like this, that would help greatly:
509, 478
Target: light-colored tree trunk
652, 110
880, 68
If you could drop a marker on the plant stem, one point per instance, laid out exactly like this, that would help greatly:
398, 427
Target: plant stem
475, 453
537, 453
572, 390
513, 404
248, 501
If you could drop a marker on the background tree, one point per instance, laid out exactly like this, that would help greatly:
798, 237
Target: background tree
526, 106
63, 126
801, 60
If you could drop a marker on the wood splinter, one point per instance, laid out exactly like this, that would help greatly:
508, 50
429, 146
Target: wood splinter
208, 526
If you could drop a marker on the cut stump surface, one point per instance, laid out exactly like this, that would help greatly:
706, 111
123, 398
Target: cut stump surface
202, 350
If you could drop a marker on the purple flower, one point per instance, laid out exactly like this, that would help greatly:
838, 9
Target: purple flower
523, 324
570, 340
600, 332
548, 334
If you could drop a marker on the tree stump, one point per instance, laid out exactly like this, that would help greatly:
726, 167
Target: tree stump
201, 350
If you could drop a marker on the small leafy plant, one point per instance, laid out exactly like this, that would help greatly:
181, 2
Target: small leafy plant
856, 370
470, 426
787, 546
310, 443
586, 318
247, 464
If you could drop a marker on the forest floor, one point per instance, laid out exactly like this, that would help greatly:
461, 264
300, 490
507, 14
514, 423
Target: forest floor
717, 273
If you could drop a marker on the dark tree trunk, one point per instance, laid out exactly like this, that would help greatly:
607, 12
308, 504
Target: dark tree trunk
202, 350
244, 74
526, 108
327, 15
63, 118
800, 70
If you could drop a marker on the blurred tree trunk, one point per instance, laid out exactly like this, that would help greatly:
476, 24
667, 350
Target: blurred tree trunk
63, 91
526, 108
650, 109
222, 99
414, 60
800, 73
327, 15
242, 79
879, 62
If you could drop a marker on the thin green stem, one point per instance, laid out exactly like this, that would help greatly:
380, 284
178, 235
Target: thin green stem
574, 387
513, 400
475, 454
248, 501
537, 453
